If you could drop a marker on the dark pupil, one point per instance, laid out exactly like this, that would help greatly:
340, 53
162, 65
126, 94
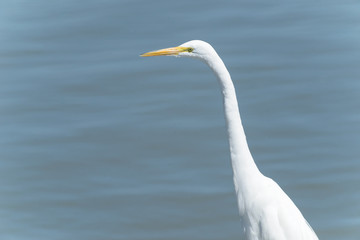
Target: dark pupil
190, 49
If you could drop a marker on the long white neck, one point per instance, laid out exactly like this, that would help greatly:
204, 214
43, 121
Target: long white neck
242, 161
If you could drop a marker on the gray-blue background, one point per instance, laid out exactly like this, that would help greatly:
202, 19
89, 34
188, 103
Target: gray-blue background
98, 143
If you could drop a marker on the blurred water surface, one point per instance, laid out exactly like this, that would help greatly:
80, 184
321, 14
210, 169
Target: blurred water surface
98, 143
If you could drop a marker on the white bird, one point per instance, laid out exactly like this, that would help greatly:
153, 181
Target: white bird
266, 211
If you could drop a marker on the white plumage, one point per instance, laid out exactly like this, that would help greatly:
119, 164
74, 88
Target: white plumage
266, 212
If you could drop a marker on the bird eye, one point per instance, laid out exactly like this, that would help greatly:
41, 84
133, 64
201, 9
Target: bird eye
190, 49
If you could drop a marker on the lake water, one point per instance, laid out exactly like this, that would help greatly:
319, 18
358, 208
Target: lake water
99, 143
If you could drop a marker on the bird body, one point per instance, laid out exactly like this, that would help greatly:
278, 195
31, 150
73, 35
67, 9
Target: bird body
266, 212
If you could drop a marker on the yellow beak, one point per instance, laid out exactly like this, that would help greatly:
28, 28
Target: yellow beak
165, 52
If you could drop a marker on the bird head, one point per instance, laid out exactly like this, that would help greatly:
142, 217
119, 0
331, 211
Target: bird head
194, 49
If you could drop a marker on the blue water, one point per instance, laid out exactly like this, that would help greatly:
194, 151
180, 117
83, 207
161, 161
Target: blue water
98, 143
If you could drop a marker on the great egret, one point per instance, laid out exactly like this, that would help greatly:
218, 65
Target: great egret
266, 212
